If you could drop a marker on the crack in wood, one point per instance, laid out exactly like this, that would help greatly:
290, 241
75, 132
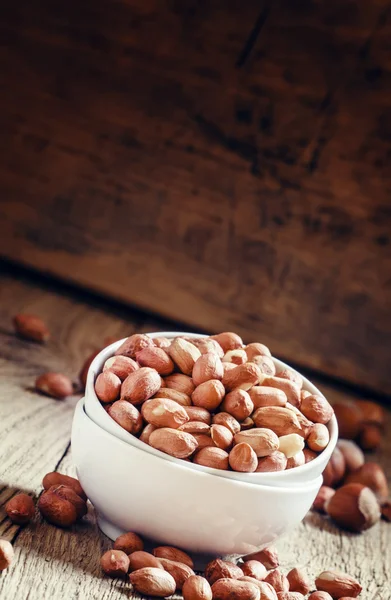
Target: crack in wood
254, 35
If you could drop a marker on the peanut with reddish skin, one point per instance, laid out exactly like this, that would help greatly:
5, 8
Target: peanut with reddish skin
178, 570
317, 408
195, 427
276, 461
255, 569
171, 394
134, 344
208, 394
212, 457
206, 367
56, 478
140, 559
122, 366
20, 509
237, 356
107, 386
126, 415
181, 383
156, 358
153, 582
55, 385
318, 437
242, 377
224, 418
184, 354
292, 375
337, 584
68, 494
203, 441
262, 395
309, 455
56, 509
228, 340
263, 441
281, 420
265, 364
320, 596
242, 458
173, 442
115, 563
221, 436
335, 469
222, 569
140, 385
233, 589
277, 580
267, 557
31, 327
256, 349
207, 345
196, 588
197, 413
146, 432
162, 412
238, 404
6, 554
297, 460
290, 389
298, 581
175, 554
129, 542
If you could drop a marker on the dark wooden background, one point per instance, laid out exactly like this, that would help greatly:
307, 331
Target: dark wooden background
223, 163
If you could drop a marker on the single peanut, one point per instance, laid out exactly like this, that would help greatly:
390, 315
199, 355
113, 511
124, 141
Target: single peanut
208, 394
243, 458
20, 509
129, 542
238, 404
115, 563
126, 415
213, 457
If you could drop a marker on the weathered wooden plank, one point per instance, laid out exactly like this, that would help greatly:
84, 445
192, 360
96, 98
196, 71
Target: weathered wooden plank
51, 563
141, 161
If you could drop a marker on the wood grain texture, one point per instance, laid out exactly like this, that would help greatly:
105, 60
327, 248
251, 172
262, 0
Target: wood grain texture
161, 154
52, 564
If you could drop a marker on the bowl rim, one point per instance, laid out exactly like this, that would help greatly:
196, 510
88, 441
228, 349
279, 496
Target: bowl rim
296, 490
269, 477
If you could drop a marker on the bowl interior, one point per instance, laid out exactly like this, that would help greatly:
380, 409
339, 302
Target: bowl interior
298, 475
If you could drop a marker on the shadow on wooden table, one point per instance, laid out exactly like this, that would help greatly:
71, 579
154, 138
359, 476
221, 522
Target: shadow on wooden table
324, 523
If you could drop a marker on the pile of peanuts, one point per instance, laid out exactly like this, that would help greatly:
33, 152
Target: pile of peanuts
256, 577
215, 402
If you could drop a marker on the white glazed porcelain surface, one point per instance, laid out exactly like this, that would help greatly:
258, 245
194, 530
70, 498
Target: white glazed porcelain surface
134, 490
97, 413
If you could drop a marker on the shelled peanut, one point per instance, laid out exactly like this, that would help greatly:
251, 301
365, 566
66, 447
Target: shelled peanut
362, 421
215, 402
354, 493
258, 576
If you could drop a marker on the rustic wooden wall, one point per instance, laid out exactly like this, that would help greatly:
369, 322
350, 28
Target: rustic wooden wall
220, 162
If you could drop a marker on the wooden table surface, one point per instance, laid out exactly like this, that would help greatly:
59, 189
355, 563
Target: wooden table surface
35, 431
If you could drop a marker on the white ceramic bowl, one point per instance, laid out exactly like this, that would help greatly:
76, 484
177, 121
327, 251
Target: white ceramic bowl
299, 475
134, 490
